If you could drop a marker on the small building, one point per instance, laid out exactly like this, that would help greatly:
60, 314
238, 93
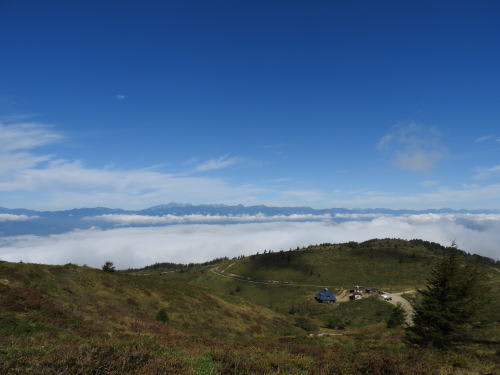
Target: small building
325, 296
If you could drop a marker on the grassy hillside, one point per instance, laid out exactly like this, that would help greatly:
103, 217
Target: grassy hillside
388, 264
79, 320
80, 300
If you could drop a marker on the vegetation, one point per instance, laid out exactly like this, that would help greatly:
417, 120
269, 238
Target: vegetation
306, 324
162, 316
355, 314
168, 266
388, 264
452, 304
397, 318
108, 267
191, 320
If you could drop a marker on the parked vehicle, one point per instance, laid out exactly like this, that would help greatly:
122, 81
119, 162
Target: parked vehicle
386, 297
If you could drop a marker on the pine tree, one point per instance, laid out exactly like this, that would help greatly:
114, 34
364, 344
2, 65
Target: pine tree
108, 267
452, 304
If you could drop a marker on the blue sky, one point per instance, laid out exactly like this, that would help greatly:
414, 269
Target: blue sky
327, 104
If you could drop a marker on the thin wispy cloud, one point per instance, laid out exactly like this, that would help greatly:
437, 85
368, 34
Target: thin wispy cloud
484, 138
217, 163
429, 183
307, 195
120, 97
413, 147
64, 182
35, 179
486, 172
471, 196
26, 136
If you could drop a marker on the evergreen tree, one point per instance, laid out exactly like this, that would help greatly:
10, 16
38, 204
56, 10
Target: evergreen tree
108, 267
452, 304
397, 317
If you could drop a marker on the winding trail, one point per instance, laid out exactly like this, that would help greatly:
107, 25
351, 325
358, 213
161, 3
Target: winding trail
234, 276
405, 304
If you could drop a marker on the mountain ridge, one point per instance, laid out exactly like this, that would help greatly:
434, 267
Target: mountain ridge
40, 222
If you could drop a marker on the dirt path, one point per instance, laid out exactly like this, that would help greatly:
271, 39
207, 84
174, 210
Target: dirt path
408, 308
234, 276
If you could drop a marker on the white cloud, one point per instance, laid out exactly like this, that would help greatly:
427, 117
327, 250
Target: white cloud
66, 183
195, 218
15, 162
70, 182
482, 173
120, 97
25, 136
134, 247
418, 160
413, 147
12, 217
306, 196
472, 196
359, 216
217, 163
483, 138
429, 183
43, 181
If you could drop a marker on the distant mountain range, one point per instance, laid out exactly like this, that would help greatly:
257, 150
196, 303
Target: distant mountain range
24, 221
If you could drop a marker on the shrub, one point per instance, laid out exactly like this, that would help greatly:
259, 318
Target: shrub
397, 318
162, 316
306, 324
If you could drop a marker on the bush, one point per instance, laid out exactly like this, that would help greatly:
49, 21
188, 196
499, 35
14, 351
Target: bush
162, 316
397, 318
337, 323
306, 324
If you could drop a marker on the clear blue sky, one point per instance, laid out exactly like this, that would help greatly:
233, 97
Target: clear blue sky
320, 103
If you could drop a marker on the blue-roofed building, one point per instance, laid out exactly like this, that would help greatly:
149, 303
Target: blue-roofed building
325, 296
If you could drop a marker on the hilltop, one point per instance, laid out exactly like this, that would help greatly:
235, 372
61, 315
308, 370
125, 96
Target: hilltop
387, 263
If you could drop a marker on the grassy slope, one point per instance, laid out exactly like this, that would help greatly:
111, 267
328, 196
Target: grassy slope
86, 321
63, 299
390, 264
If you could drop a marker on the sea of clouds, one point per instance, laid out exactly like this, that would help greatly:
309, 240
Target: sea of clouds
197, 242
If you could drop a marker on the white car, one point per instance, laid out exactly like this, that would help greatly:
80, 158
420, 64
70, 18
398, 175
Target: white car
386, 297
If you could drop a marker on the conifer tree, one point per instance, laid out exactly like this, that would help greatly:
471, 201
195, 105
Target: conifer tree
451, 305
108, 267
